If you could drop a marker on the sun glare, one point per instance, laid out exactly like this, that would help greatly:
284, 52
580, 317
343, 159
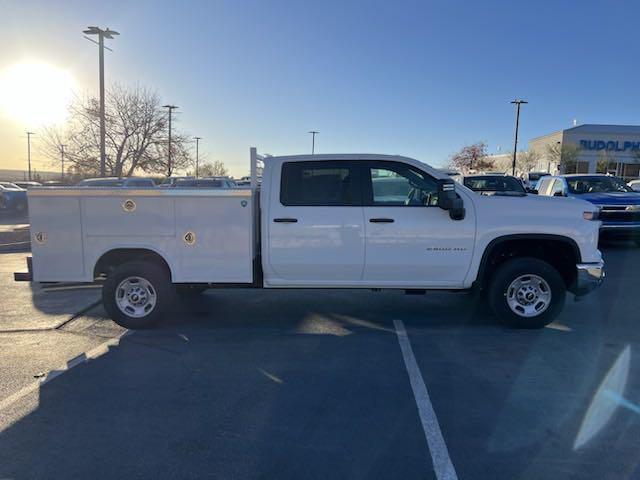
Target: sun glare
35, 93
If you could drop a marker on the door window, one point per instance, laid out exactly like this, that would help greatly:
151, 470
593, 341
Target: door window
323, 183
397, 184
558, 186
544, 184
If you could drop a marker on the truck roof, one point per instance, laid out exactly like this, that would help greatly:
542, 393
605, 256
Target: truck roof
361, 157
342, 156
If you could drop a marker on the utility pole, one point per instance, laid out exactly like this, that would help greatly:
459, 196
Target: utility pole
313, 141
197, 139
29, 151
517, 102
171, 109
62, 159
102, 34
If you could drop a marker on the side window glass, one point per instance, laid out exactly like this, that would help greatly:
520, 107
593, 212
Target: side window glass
398, 184
323, 183
544, 186
557, 187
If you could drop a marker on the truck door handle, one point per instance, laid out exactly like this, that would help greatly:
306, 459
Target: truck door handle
285, 220
381, 220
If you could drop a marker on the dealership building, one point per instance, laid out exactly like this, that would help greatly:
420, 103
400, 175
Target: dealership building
613, 149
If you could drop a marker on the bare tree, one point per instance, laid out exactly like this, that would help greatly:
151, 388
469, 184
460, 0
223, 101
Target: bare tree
215, 169
471, 157
136, 131
565, 155
525, 161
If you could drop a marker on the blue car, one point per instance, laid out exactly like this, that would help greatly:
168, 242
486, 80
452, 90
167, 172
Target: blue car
12, 197
619, 204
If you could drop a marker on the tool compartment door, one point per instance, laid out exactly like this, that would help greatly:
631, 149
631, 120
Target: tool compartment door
214, 242
56, 239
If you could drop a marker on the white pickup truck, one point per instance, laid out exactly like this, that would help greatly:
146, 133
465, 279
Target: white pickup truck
317, 221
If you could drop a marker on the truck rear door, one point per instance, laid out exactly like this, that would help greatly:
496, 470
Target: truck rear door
314, 224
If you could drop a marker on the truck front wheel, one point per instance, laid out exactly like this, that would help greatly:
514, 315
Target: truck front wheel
526, 293
137, 294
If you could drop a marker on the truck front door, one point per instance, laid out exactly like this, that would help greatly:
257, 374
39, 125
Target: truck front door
315, 225
410, 241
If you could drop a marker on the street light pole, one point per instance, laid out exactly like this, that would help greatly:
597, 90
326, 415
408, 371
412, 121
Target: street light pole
62, 158
169, 166
29, 151
197, 139
517, 102
102, 34
313, 141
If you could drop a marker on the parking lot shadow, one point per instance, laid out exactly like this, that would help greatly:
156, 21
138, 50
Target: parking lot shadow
25, 306
309, 392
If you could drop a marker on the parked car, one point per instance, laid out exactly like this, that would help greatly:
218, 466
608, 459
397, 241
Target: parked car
531, 179
171, 181
635, 185
450, 172
246, 181
27, 185
619, 204
117, 182
503, 185
209, 182
12, 197
323, 222
55, 183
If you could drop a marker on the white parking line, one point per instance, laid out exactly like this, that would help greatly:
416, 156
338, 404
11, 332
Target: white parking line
82, 358
442, 465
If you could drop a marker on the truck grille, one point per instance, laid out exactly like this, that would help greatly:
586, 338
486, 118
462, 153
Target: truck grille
620, 213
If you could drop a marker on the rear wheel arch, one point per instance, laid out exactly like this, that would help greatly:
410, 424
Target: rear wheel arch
113, 258
559, 251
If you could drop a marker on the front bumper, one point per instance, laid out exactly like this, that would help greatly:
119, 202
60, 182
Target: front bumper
589, 276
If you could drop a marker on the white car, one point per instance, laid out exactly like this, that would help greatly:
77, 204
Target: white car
318, 221
635, 185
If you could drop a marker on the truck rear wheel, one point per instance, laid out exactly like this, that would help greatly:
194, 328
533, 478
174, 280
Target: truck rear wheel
137, 294
526, 293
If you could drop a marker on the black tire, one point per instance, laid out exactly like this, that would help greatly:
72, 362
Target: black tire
511, 270
159, 280
190, 290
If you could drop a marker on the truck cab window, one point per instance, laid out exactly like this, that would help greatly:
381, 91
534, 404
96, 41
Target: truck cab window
324, 183
398, 184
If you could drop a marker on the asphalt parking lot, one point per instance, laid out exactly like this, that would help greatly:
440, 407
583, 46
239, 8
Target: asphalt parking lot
320, 384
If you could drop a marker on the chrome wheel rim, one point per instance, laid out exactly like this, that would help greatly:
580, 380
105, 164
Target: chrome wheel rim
136, 297
528, 296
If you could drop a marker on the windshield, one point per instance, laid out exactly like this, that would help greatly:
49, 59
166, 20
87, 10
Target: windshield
599, 184
9, 186
496, 184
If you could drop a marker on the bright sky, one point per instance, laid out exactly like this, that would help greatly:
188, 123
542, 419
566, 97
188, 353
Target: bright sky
416, 78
